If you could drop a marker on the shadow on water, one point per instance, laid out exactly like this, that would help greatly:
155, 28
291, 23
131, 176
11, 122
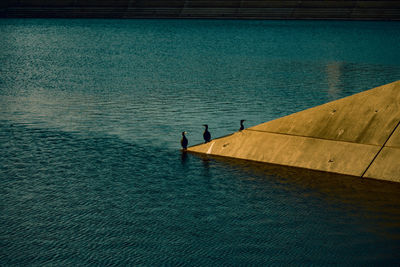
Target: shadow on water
103, 195
378, 200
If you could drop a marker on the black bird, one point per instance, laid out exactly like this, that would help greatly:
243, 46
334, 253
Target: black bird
206, 134
241, 125
184, 141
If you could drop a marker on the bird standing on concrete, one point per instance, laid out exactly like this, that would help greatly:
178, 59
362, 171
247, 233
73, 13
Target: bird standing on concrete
184, 141
206, 134
241, 125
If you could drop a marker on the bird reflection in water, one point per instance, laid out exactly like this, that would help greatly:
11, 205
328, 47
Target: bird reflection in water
184, 157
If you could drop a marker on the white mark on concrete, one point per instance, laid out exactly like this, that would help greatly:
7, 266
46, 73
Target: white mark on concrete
209, 150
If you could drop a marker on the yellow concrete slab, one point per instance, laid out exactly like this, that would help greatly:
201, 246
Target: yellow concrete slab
366, 118
394, 140
344, 136
386, 166
297, 151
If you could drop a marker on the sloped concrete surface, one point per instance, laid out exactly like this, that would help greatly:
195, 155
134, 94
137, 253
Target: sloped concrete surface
367, 118
394, 140
358, 135
387, 163
296, 151
386, 166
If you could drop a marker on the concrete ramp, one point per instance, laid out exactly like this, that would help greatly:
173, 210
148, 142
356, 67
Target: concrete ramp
358, 135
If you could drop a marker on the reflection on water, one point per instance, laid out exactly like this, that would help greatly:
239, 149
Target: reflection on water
91, 114
357, 193
373, 200
184, 158
333, 70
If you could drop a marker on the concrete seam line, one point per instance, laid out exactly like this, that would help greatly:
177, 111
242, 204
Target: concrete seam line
390, 135
312, 137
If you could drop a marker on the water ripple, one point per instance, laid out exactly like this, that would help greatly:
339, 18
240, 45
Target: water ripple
91, 113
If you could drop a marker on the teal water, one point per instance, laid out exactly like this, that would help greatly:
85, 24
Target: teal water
91, 113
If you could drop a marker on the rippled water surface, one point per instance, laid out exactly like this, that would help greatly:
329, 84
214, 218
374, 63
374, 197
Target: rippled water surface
90, 118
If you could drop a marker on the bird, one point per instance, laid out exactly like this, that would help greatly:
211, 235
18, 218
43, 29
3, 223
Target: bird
206, 134
241, 125
184, 141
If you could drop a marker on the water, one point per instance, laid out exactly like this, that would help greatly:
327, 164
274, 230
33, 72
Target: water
91, 113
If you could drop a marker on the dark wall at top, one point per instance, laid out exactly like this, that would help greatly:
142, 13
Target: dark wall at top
245, 9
